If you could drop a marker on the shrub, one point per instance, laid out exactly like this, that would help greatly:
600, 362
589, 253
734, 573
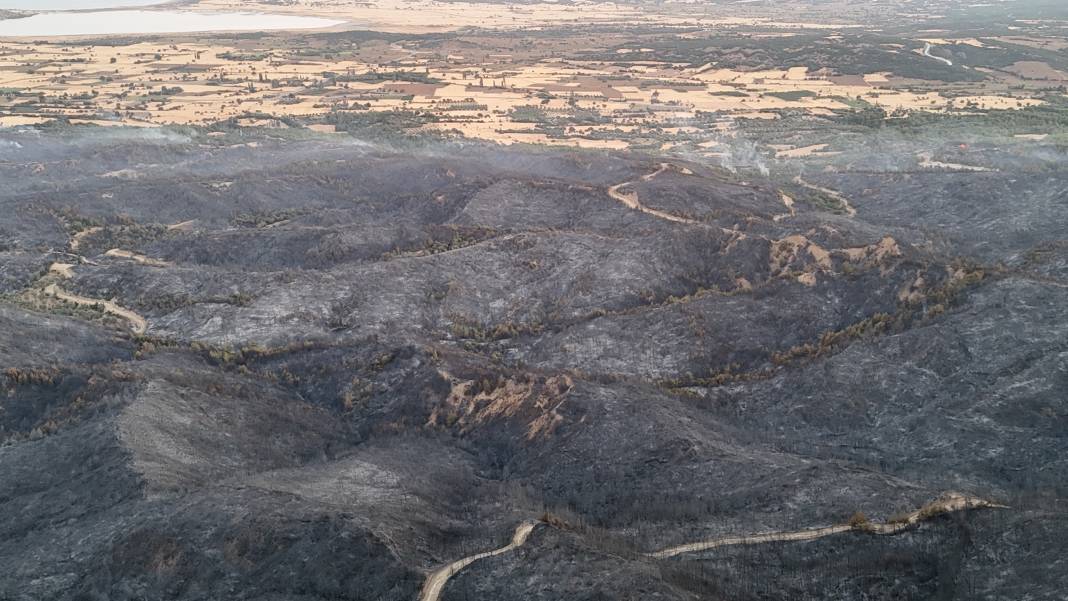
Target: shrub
901, 517
858, 521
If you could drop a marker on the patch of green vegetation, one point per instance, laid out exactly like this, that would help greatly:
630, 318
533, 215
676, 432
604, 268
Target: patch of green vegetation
575, 116
168, 303
233, 125
378, 124
244, 56
1049, 117
473, 331
265, 218
383, 76
75, 222
451, 238
860, 54
792, 95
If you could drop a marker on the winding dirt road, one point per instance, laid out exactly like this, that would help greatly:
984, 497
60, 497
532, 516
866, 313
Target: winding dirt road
437, 579
927, 162
829, 192
630, 199
76, 239
948, 503
749, 540
182, 225
137, 323
142, 259
927, 52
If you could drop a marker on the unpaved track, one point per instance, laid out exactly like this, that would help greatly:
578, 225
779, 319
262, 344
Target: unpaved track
787, 202
183, 225
927, 162
948, 503
63, 270
76, 239
630, 200
927, 52
829, 192
137, 323
142, 259
436, 581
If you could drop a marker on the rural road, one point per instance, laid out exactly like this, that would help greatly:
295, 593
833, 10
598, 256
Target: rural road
749, 540
142, 259
630, 200
76, 240
927, 162
829, 192
947, 503
927, 52
437, 579
137, 323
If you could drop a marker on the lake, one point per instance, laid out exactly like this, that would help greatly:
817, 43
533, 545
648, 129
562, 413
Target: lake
151, 21
73, 4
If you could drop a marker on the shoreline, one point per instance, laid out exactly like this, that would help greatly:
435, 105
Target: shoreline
283, 23
29, 12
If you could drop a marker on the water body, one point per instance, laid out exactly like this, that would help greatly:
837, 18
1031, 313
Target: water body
36, 5
151, 21
73, 4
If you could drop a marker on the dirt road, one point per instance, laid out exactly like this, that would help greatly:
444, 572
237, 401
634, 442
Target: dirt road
76, 239
437, 579
137, 323
832, 193
630, 199
927, 52
947, 503
927, 162
142, 259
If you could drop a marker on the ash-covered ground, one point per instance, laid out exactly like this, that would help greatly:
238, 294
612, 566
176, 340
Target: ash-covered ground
252, 366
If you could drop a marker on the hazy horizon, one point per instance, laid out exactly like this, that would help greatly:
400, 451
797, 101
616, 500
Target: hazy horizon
146, 21
73, 4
